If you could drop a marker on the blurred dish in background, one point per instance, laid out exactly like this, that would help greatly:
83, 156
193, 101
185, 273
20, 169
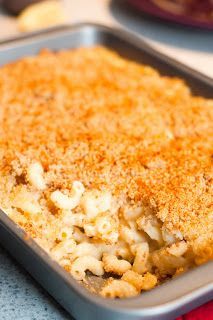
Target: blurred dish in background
198, 13
36, 14
41, 15
16, 6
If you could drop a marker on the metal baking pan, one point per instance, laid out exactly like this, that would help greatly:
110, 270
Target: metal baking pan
170, 299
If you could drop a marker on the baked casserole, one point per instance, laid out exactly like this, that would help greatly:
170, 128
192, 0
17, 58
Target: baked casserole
107, 165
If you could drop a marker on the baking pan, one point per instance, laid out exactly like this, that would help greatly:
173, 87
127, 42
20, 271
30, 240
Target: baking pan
164, 302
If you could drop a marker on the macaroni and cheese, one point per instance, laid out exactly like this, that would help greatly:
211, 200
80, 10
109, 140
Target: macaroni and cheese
107, 165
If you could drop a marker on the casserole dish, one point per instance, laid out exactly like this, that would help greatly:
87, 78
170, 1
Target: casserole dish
166, 301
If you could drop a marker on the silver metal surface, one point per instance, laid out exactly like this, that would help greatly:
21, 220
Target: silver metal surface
164, 302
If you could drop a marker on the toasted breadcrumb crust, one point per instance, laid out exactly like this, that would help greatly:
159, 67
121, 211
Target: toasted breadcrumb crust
116, 126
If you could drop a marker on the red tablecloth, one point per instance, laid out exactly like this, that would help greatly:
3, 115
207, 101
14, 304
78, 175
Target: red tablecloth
204, 312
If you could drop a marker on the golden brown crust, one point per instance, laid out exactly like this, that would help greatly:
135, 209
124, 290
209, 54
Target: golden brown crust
92, 116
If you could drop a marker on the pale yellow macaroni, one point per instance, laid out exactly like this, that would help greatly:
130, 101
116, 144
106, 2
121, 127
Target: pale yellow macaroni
79, 236
118, 289
63, 249
131, 235
26, 200
84, 263
178, 249
145, 282
77, 219
65, 232
114, 265
87, 249
141, 256
95, 202
150, 225
35, 174
68, 202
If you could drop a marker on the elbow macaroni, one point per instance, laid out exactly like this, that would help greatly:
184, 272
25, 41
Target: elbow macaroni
91, 236
84, 263
107, 228
169, 237
141, 256
145, 282
95, 202
118, 289
87, 249
63, 201
133, 214
114, 265
77, 219
103, 227
35, 174
131, 235
65, 233
167, 263
178, 249
150, 225
63, 249
79, 236
122, 249
26, 201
